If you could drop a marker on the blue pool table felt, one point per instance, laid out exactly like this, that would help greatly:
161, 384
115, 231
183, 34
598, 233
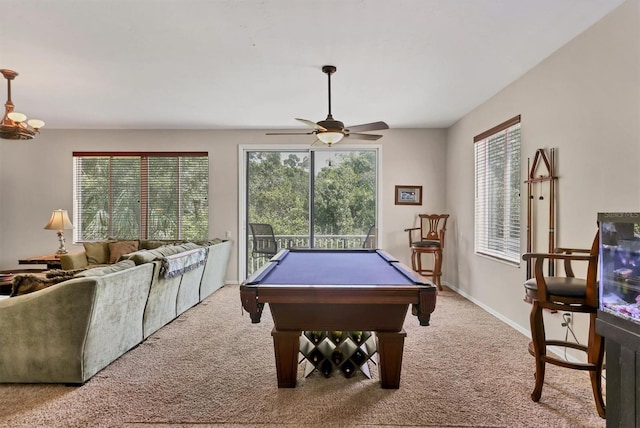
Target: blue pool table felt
335, 268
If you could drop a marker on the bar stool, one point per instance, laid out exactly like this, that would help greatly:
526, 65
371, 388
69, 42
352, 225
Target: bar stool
431, 241
567, 294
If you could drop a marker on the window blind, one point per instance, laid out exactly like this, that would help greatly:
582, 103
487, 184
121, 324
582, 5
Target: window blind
140, 195
497, 191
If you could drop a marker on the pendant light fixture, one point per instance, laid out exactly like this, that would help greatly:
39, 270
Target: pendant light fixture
15, 126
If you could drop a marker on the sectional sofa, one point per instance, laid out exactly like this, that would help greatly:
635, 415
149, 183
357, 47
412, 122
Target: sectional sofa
69, 331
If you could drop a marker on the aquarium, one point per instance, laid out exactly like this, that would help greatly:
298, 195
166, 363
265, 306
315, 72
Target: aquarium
620, 265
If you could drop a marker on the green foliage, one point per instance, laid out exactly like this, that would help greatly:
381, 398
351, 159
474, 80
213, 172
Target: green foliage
344, 198
345, 195
279, 191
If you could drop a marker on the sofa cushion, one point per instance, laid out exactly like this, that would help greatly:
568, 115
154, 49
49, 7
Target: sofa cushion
24, 284
150, 245
97, 252
166, 250
120, 248
71, 261
142, 256
105, 270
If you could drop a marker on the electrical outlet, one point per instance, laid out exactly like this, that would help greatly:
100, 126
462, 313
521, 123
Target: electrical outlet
567, 319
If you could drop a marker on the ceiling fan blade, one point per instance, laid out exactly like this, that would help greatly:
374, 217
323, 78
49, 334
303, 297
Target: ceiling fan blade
290, 133
357, 136
373, 126
312, 124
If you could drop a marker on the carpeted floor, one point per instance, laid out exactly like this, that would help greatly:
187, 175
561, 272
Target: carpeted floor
212, 367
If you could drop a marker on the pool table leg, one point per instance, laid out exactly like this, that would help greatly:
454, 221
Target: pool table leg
390, 347
286, 345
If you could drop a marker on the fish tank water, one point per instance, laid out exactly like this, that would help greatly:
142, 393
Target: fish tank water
620, 265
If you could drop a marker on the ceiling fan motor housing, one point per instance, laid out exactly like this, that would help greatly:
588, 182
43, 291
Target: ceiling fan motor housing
332, 125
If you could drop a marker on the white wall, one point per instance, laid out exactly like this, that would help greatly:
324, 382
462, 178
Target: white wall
36, 178
583, 100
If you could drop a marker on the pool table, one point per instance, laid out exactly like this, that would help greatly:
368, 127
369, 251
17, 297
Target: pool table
351, 289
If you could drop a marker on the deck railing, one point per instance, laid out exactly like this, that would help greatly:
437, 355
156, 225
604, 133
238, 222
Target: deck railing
302, 241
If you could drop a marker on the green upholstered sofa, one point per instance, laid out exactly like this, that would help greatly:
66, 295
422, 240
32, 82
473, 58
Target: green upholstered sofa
71, 330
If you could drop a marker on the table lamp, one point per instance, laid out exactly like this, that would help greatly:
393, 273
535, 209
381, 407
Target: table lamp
60, 220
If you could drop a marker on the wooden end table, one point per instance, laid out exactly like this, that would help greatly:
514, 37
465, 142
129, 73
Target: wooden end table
51, 260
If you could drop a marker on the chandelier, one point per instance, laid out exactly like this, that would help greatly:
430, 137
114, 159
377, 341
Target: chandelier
15, 125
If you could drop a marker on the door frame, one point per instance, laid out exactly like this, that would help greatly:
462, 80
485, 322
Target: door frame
242, 187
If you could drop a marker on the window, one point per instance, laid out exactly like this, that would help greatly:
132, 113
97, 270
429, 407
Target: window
141, 195
312, 197
497, 191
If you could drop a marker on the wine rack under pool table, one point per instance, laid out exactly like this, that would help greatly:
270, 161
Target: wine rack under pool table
345, 351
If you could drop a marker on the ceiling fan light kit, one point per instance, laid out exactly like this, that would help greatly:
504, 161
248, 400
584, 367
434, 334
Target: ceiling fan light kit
15, 125
331, 131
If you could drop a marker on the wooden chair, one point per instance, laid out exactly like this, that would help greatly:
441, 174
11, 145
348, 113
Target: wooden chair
264, 240
567, 294
431, 241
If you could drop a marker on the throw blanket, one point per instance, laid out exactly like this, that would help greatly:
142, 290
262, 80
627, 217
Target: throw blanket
177, 264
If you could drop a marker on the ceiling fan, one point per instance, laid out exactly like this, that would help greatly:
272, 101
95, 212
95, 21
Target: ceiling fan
331, 131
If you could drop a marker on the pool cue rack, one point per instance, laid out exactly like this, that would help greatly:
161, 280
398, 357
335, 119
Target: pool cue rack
346, 351
547, 164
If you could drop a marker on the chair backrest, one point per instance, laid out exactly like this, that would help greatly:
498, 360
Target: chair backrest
567, 256
371, 241
433, 227
592, 272
264, 240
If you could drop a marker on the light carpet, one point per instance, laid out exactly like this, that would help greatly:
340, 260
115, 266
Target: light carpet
212, 367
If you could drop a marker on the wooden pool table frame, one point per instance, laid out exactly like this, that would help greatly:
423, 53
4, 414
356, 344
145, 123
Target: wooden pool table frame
378, 308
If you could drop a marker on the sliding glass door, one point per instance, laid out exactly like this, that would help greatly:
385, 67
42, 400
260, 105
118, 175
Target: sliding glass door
308, 198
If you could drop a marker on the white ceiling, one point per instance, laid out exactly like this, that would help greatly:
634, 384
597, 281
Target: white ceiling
249, 64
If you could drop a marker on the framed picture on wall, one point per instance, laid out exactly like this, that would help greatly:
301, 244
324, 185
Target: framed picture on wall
408, 195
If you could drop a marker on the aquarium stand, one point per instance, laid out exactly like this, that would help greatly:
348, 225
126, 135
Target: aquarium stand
622, 345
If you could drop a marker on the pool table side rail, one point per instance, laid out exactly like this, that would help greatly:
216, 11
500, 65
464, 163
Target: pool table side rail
342, 294
422, 298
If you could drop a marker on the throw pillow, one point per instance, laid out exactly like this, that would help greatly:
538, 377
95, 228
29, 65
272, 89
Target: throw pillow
97, 252
119, 248
150, 245
142, 256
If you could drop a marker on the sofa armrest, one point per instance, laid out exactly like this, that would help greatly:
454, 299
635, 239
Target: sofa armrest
43, 333
74, 261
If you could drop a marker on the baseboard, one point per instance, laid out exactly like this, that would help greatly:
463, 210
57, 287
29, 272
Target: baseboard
560, 352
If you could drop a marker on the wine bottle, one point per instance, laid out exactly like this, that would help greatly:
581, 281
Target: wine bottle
315, 336
326, 368
336, 336
356, 336
348, 368
315, 357
337, 356
358, 357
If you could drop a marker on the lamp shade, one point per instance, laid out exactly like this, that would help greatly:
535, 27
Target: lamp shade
59, 220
